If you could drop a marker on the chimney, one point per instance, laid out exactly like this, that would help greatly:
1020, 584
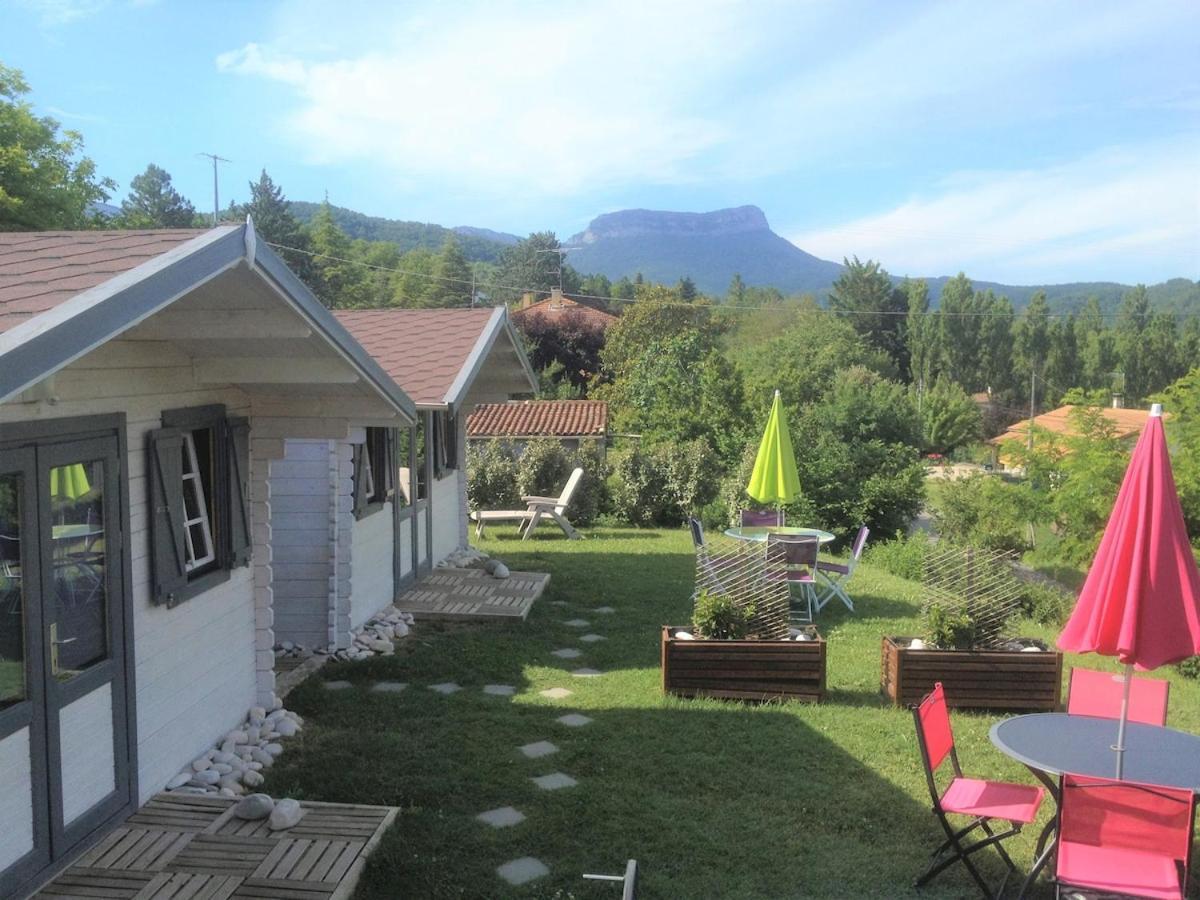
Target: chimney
556, 297
527, 300
1116, 400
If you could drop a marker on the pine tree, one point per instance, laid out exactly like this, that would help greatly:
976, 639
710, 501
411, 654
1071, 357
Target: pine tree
275, 224
737, 289
154, 203
686, 289
451, 284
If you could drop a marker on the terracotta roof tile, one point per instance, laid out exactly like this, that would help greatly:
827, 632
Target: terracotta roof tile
41, 269
561, 305
422, 349
1127, 422
539, 418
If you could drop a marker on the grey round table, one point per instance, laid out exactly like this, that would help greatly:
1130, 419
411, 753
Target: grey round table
1051, 744
760, 532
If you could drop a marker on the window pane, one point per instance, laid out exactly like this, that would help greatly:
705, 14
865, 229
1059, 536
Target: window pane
403, 442
12, 607
80, 566
199, 456
422, 439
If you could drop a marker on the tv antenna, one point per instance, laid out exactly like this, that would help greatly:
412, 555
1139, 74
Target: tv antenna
561, 253
216, 201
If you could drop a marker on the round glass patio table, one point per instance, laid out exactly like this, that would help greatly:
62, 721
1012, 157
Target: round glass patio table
760, 532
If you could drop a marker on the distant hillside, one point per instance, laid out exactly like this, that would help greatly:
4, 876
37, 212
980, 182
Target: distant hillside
477, 243
707, 247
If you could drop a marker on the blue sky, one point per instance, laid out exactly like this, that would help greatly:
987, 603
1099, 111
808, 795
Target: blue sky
1022, 142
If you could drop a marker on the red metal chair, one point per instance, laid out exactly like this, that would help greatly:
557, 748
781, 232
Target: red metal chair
981, 801
794, 557
1121, 837
762, 518
1092, 693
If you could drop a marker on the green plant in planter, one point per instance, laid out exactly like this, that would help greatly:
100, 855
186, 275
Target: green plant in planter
949, 630
719, 617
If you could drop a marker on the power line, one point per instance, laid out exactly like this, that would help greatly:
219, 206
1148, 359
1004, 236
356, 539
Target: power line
682, 303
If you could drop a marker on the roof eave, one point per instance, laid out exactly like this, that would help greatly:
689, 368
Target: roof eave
498, 323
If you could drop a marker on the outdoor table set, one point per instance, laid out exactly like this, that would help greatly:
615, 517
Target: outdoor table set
1124, 785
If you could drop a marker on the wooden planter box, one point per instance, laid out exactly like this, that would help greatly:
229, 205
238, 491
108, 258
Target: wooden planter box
979, 679
743, 670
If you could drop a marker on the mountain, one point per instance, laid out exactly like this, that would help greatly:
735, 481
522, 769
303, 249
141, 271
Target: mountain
478, 244
708, 247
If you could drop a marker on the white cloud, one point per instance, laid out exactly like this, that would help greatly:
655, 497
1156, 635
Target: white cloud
1079, 219
53, 13
74, 116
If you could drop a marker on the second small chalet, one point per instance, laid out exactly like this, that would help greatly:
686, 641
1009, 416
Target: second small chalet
574, 423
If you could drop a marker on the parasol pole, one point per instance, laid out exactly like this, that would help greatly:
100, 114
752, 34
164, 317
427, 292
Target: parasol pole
1120, 745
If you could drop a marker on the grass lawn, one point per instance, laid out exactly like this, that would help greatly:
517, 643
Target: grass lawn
715, 799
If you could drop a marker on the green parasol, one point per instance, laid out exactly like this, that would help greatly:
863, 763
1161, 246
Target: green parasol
69, 482
774, 479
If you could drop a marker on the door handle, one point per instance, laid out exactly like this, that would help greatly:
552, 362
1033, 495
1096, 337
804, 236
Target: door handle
55, 643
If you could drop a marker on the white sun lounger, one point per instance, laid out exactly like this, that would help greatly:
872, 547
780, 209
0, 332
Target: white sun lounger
536, 509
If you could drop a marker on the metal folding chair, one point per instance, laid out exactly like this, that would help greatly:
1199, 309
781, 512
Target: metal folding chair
628, 880
762, 518
980, 801
794, 557
1092, 693
835, 575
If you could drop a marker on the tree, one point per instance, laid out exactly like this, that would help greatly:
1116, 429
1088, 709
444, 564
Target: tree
153, 202
45, 183
533, 265
275, 224
1031, 338
412, 281
960, 324
949, 417
336, 279
686, 289
1132, 319
1062, 359
451, 285
1181, 402
565, 347
737, 289
921, 332
596, 286
865, 294
995, 326
1096, 347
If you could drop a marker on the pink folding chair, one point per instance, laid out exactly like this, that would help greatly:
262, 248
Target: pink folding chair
1092, 693
835, 575
1122, 837
981, 801
762, 518
794, 557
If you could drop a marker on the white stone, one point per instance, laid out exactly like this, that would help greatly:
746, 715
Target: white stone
222, 768
504, 817
253, 735
287, 645
388, 687
499, 690
501, 571
257, 712
556, 693
400, 629
273, 749
523, 870
286, 728
567, 653
538, 749
254, 807
574, 720
252, 778
227, 792
447, 687
337, 685
287, 812
208, 776
604, 610
491, 565
554, 781
1031, 649
577, 623
262, 756
223, 756
199, 765
916, 644
684, 636
382, 646
592, 638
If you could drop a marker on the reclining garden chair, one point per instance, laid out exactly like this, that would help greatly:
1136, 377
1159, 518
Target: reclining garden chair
536, 509
1093, 693
1123, 838
981, 801
628, 881
835, 575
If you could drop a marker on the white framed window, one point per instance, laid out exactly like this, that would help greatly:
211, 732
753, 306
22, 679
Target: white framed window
197, 524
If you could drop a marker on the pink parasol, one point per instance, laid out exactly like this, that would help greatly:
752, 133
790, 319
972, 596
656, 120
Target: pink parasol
1141, 600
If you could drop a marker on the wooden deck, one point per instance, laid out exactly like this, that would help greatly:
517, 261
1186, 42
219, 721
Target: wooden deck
186, 846
472, 595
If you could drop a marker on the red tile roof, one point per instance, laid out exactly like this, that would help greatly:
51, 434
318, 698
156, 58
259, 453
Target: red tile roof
422, 349
539, 418
41, 269
560, 305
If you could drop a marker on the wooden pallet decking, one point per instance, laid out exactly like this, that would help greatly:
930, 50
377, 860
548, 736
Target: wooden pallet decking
193, 847
472, 595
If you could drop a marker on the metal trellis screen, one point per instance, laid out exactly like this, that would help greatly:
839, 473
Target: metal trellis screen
977, 583
741, 571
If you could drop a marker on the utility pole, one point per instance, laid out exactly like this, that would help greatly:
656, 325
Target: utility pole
216, 200
1032, 408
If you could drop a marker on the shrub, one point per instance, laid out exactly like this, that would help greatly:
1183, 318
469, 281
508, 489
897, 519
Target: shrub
985, 511
543, 468
1045, 603
949, 417
491, 476
664, 485
949, 630
902, 556
638, 490
591, 496
719, 618
1190, 668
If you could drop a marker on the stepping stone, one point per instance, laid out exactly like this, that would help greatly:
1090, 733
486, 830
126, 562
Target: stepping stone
446, 687
604, 610
337, 685
559, 603
388, 687
499, 690
523, 870
554, 781
577, 623
556, 693
504, 817
586, 673
592, 638
538, 749
574, 720
564, 653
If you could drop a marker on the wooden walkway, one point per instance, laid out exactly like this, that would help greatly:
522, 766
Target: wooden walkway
472, 595
188, 847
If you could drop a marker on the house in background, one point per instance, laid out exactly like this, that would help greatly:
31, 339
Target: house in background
149, 384
575, 423
1059, 423
559, 306
377, 508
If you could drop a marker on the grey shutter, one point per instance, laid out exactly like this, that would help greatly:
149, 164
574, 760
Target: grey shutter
389, 462
360, 481
168, 552
237, 449
450, 433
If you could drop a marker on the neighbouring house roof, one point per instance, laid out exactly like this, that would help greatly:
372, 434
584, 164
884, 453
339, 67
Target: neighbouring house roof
559, 304
63, 294
539, 418
1127, 422
435, 354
